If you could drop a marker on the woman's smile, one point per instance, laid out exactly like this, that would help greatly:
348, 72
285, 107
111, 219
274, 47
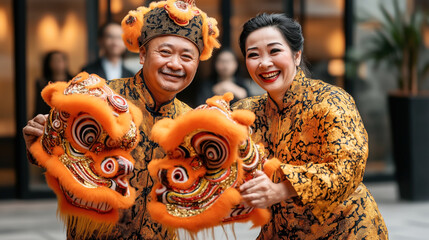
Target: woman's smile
270, 76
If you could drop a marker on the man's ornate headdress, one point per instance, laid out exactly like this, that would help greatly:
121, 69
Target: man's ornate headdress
209, 154
85, 149
172, 17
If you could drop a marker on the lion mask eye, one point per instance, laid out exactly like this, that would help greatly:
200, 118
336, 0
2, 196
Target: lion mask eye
213, 149
179, 175
86, 131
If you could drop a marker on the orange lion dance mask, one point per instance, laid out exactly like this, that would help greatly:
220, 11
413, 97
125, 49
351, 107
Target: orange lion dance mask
209, 154
85, 150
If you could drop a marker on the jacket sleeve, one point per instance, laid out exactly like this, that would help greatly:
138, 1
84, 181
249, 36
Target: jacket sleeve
331, 142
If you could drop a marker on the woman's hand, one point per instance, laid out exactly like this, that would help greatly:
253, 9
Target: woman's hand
227, 86
261, 192
34, 129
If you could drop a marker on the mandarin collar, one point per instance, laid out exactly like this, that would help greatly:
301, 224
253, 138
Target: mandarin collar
289, 96
166, 109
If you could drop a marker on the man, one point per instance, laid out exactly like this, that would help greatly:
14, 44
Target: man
170, 49
110, 65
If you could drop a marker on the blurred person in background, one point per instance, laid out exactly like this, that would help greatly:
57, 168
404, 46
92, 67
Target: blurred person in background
55, 69
226, 77
110, 65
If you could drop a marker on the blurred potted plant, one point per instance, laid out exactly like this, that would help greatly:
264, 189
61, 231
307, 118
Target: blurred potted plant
399, 43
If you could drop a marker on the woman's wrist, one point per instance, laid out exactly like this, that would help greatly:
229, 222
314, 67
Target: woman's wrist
286, 191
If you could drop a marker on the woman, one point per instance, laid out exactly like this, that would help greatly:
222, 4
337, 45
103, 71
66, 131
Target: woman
316, 131
225, 77
55, 68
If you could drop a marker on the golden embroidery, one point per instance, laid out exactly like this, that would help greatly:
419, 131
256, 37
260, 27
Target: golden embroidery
320, 138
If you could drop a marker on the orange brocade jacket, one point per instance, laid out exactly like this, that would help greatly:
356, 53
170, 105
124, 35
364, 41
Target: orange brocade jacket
319, 136
135, 222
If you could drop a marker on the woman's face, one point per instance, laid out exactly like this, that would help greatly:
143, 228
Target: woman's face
270, 61
58, 63
226, 65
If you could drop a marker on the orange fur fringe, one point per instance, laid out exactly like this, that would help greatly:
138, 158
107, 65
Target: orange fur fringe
209, 218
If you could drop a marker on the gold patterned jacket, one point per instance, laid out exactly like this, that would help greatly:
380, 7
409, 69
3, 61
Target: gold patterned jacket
319, 136
135, 222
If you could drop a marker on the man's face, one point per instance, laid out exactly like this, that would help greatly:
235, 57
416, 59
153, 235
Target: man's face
169, 64
111, 41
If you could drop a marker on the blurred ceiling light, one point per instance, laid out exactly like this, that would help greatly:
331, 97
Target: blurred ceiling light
69, 34
336, 44
48, 31
336, 67
3, 24
116, 6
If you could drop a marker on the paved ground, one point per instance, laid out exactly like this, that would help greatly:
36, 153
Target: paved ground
36, 219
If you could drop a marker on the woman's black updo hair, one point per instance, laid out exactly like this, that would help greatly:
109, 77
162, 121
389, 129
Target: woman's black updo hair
289, 28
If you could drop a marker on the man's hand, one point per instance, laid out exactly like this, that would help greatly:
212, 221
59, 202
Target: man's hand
34, 129
261, 192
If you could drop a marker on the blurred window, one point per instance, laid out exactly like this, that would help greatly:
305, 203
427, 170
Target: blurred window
7, 108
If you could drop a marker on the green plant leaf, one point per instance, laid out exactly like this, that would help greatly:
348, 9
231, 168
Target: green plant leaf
398, 42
